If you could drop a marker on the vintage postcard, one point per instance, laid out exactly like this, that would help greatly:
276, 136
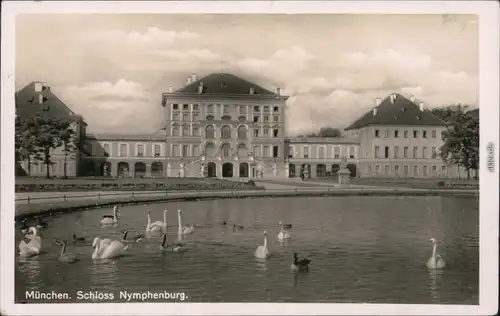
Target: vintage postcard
249, 158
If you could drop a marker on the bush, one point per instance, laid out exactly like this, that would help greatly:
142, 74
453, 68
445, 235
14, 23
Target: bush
441, 184
251, 182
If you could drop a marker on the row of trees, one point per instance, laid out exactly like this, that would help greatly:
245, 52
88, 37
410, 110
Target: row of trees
37, 137
327, 132
461, 139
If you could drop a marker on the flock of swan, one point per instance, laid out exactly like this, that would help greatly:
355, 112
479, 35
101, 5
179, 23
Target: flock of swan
107, 248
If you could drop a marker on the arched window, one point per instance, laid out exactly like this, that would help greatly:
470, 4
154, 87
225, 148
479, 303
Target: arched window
242, 132
210, 150
175, 130
225, 132
225, 150
185, 130
209, 132
242, 150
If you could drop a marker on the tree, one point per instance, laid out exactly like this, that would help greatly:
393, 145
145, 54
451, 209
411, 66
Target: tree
461, 139
26, 148
327, 132
67, 137
48, 138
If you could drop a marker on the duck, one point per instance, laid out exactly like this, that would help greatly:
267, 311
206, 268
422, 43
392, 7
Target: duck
33, 247
77, 239
177, 248
136, 238
262, 252
287, 226
65, 256
41, 224
111, 219
107, 250
435, 261
283, 235
158, 225
300, 265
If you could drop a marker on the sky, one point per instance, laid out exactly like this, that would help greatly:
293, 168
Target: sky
112, 69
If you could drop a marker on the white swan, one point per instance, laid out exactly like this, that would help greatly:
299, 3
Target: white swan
109, 250
283, 234
435, 262
33, 247
262, 252
111, 219
158, 225
65, 256
181, 231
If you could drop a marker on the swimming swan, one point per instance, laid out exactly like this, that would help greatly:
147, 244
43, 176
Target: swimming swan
181, 231
262, 252
64, 256
33, 247
435, 262
300, 265
158, 225
136, 238
111, 219
109, 250
283, 234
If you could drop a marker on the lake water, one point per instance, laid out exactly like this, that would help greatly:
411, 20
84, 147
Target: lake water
363, 249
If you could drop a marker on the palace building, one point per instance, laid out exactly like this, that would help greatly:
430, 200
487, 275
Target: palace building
224, 126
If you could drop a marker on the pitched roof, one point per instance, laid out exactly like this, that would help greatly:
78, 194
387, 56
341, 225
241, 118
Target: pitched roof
28, 104
400, 112
222, 83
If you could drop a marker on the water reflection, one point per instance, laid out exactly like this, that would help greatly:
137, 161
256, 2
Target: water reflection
261, 265
434, 281
31, 268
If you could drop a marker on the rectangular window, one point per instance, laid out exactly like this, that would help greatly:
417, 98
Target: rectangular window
157, 149
433, 134
266, 109
377, 133
386, 170
175, 116
123, 150
276, 109
266, 118
175, 106
415, 171
256, 151
185, 150
276, 132
424, 134
196, 150
351, 152
424, 172
434, 152
306, 152
185, 117
195, 107
415, 152
396, 169
415, 134
196, 131
266, 151
275, 152
185, 107
255, 118
396, 134
336, 152
175, 150
377, 169
106, 150
321, 152
396, 152
424, 152
405, 170
405, 134
140, 150
255, 132
405, 152
196, 116
256, 108
210, 109
377, 151
265, 132
386, 134
276, 118
386, 152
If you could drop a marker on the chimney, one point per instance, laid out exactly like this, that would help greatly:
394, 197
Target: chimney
45, 86
193, 78
278, 91
38, 87
378, 101
252, 91
421, 106
200, 87
412, 99
188, 80
393, 98
375, 111
40, 98
170, 89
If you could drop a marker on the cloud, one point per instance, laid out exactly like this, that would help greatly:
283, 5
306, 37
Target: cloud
200, 54
123, 106
153, 35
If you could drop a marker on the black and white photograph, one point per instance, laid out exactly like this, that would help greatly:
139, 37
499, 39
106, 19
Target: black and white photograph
299, 157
